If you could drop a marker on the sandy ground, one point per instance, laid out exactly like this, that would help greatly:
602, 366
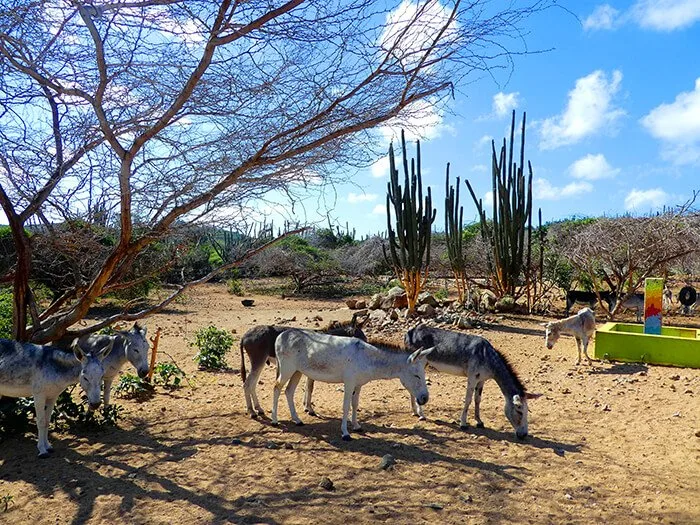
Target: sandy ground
612, 443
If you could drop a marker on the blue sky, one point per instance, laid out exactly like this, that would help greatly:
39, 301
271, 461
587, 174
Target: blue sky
613, 116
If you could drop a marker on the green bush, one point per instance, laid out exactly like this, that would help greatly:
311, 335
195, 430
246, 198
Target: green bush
235, 287
6, 314
133, 387
213, 344
441, 294
169, 375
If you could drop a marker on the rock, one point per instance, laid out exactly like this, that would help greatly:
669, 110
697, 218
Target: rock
398, 297
394, 314
288, 446
387, 302
360, 313
327, 484
351, 303
463, 322
375, 302
236, 441
566, 391
387, 462
426, 310
606, 408
435, 506
675, 378
467, 499
377, 315
568, 496
427, 298
317, 318
697, 433
272, 445
360, 304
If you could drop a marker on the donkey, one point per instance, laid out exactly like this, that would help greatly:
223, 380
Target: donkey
589, 299
581, 326
474, 357
43, 372
350, 361
634, 302
259, 344
129, 345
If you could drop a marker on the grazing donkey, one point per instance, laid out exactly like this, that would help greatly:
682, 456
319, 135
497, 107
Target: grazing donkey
259, 344
581, 326
634, 302
350, 361
590, 299
474, 357
129, 345
43, 372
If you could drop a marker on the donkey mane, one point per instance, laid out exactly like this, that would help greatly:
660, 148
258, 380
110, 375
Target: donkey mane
509, 367
387, 345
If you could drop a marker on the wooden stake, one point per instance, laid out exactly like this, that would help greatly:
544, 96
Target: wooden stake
154, 342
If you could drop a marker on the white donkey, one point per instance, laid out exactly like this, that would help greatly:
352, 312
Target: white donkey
129, 345
351, 361
581, 326
43, 372
472, 356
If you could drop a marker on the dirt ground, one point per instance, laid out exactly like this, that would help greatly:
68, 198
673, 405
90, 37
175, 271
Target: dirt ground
611, 443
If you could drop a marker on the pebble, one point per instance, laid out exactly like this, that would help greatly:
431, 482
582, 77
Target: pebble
387, 462
568, 496
272, 445
327, 484
288, 446
697, 433
435, 506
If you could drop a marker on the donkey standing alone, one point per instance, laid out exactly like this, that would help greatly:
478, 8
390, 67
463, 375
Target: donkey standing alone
351, 361
43, 372
259, 344
581, 326
474, 357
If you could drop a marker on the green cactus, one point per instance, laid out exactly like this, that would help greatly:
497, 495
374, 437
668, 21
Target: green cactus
510, 231
409, 244
454, 215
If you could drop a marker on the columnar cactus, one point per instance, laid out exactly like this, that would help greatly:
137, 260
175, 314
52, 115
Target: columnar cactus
409, 243
511, 225
454, 215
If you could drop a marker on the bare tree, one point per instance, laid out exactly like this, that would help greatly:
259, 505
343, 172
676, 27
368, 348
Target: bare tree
161, 113
622, 252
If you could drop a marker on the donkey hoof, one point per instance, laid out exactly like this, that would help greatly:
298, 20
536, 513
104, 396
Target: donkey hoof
253, 415
347, 437
274, 423
464, 427
299, 423
261, 412
311, 412
359, 430
43, 455
480, 424
422, 418
50, 450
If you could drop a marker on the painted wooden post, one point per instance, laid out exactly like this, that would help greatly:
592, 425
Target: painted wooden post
653, 305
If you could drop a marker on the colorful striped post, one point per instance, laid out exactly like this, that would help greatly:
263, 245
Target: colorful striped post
653, 302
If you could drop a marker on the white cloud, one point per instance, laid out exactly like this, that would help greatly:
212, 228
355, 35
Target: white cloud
603, 17
677, 125
480, 168
666, 15
593, 167
362, 197
589, 110
483, 142
379, 209
421, 120
543, 189
504, 103
487, 200
654, 198
412, 28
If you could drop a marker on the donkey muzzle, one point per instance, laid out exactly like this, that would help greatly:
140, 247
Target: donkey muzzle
422, 400
521, 434
142, 373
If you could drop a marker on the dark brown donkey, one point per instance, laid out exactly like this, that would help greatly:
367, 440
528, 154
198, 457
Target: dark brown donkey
259, 343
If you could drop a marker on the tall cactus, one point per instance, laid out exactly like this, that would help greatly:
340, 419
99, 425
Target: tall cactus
454, 220
511, 225
409, 244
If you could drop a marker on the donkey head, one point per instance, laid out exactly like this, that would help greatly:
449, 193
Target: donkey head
516, 412
413, 375
137, 349
551, 334
91, 370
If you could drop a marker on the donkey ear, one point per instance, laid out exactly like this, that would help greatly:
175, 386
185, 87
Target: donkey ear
517, 401
77, 351
529, 395
426, 352
103, 352
414, 355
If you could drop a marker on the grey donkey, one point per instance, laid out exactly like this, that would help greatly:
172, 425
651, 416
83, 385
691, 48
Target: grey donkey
474, 357
129, 345
259, 344
43, 372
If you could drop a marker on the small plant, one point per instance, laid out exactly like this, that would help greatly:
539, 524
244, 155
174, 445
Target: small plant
213, 344
235, 287
441, 294
5, 501
168, 374
133, 387
68, 413
15, 415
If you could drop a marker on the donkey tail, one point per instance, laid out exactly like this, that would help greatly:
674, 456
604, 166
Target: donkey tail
243, 373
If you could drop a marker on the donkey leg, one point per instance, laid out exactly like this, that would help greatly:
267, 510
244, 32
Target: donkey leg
289, 392
249, 386
467, 401
42, 425
477, 404
308, 407
417, 409
282, 377
355, 402
347, 401
107, 390
578, 346
585, 350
